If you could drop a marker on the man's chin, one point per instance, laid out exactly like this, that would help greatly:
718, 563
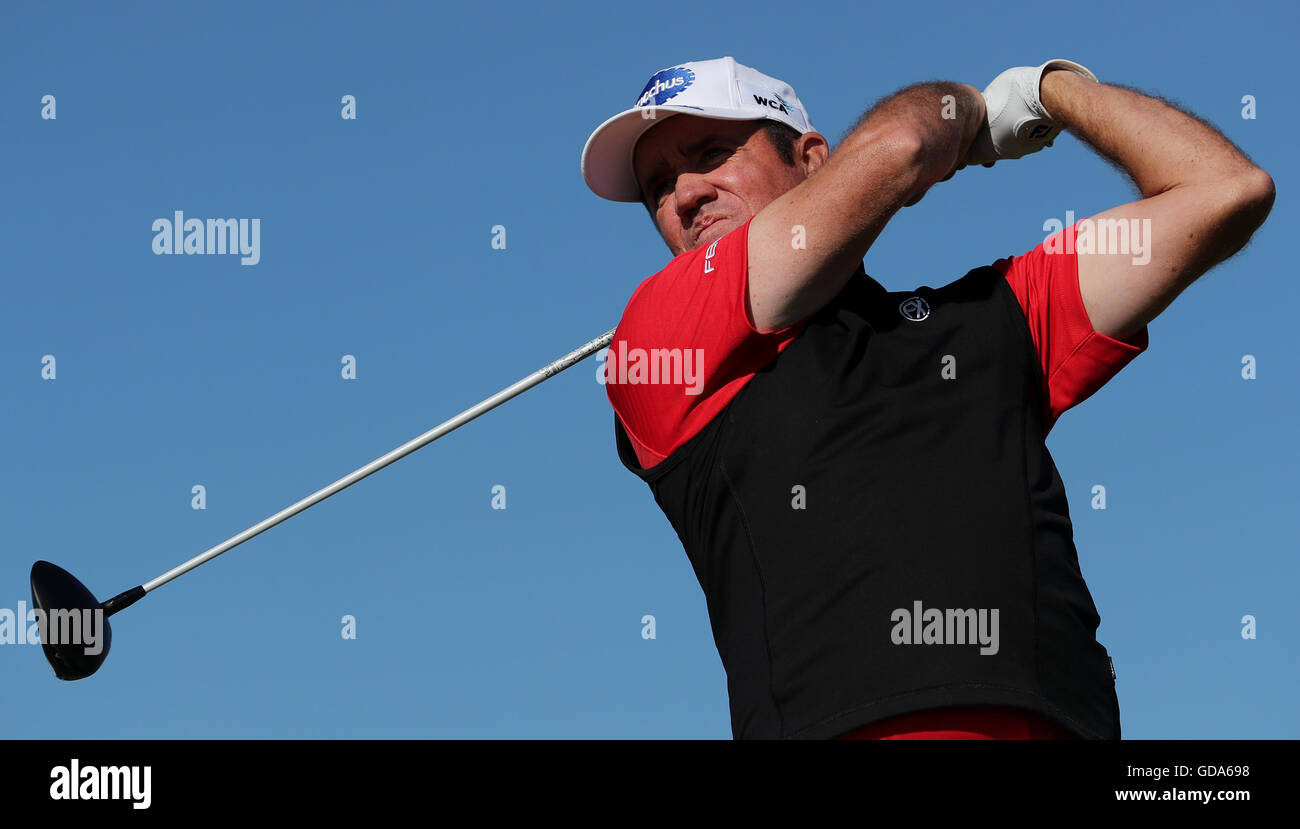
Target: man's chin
712, 233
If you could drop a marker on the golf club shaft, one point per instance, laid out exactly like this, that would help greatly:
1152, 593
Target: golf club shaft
578, 354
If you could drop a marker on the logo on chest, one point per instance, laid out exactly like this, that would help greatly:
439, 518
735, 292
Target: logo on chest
708, 256
914, 308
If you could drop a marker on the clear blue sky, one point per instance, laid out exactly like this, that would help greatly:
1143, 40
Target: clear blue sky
174, 371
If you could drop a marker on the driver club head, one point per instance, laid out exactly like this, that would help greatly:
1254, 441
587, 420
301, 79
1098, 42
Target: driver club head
69, 623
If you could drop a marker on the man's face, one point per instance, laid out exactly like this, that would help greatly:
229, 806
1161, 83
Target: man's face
701, 178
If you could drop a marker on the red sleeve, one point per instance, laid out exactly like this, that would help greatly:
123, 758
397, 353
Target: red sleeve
686, 346
1076, 360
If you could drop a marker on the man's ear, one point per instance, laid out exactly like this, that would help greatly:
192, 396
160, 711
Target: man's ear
811, 150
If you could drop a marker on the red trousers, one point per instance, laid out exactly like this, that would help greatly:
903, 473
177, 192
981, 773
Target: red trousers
969, 723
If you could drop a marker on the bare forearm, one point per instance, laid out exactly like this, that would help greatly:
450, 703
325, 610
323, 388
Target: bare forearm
897, 150
938, 118
1157, 145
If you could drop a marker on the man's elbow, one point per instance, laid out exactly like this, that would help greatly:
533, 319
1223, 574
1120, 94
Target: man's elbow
1235, 209
1253, 198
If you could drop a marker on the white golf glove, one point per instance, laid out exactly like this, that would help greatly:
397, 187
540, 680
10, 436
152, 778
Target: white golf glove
1017, 123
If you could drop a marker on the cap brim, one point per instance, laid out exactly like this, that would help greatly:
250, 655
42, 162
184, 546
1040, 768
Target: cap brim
607, 157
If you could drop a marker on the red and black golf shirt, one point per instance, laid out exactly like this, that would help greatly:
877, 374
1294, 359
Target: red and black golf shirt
837, 484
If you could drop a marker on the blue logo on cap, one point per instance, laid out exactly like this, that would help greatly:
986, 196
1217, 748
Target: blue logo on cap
665, 85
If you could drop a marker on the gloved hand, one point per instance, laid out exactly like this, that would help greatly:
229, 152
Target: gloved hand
1017, 123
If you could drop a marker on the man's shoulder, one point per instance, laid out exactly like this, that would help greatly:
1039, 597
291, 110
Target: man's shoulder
702, 281
666, 279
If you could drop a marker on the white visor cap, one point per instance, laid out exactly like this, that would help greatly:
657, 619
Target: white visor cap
719, 88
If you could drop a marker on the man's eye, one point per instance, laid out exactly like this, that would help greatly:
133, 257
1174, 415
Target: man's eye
657, 189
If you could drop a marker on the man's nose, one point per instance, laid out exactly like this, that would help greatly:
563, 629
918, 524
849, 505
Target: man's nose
692, 191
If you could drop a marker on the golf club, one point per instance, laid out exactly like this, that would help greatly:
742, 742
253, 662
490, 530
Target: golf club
60, 597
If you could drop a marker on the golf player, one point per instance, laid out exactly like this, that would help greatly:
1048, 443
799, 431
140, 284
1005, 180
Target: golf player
859, 476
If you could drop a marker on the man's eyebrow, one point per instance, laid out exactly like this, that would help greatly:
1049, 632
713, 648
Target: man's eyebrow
689, 149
